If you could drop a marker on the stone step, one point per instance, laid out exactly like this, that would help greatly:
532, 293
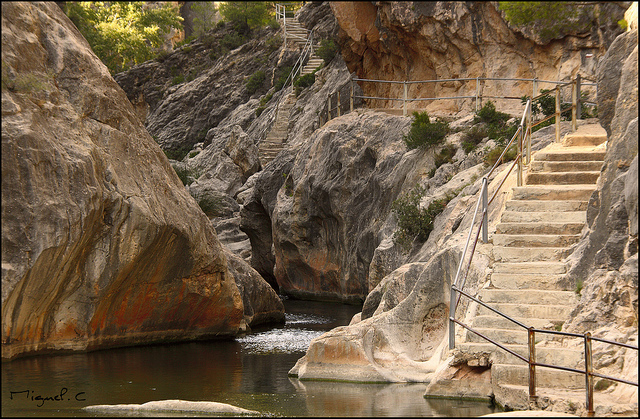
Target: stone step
529, 254
552, 312
527, 296
553, 192
561, 178
535, 240
570, 155
502, 336
541, 281
547, 268
544, 216
498, 322
578, 139
540, 206
565, 166
564, 357
545, 377
539, 228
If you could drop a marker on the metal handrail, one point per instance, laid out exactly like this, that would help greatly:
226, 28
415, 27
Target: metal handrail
457, 287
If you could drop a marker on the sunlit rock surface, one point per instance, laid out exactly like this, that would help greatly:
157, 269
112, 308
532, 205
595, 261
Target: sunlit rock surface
101, 243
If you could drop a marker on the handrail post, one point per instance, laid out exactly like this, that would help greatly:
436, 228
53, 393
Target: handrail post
404, 98
485, 212
519, 153
477, 92
588, 370
578, 97
574, 105
535, 87
452, 315
528, 133
532, 363
328, 108
351, 98
557, 114
339, 103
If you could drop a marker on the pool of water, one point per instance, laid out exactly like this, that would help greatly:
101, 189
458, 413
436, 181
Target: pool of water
249, 372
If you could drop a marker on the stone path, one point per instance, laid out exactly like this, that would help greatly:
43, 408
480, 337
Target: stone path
277, 136
539, 225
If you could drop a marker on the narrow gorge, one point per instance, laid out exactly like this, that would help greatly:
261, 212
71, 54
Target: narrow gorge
185, 198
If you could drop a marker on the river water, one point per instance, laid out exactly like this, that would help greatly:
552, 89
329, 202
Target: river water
249, 372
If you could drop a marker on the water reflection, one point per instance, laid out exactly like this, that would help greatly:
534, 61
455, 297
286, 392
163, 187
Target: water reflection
250, 372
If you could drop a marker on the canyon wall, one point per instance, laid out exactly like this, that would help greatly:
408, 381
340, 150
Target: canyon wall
411, 41
101, 244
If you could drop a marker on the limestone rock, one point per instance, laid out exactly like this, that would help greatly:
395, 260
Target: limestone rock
101, 243
440, 40
605, 261
261, 303
171, 406
334, 200
609, 72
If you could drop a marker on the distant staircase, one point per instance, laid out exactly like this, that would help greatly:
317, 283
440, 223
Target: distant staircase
274, 143
539, 225
276, 138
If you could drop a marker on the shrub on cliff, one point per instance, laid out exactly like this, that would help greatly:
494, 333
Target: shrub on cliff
424, 133
255, 81
327, 50
415, 222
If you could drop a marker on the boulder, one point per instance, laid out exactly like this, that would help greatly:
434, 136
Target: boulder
261, 303
101, 243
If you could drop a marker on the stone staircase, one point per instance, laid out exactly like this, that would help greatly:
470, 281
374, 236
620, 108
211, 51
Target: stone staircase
277, 136
269, 148
539, 225
300, 38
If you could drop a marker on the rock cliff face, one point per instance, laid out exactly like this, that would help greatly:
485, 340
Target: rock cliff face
606, 262
445, 40
101, 243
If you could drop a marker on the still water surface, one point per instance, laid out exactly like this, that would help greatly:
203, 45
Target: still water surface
249, 372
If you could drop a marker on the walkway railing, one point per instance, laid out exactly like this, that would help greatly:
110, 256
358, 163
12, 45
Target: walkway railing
523, 134
575, 108
282, 14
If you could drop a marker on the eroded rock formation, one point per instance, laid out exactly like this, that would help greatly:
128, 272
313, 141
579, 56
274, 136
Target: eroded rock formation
101, 243
445, 40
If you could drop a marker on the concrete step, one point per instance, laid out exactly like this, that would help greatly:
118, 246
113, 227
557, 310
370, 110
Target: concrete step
554, 192
539, 228
570, 154
535, 240
561, 178
527, 296
545, 377
556, 356
539, 206
552, 312
565, 166
544, 217
529, 254
547, 268
540, 281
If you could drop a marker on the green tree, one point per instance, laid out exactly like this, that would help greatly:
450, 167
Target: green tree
245, 15
123, 34
204, 13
